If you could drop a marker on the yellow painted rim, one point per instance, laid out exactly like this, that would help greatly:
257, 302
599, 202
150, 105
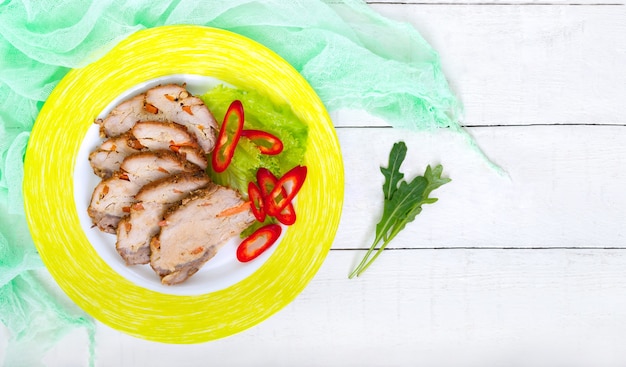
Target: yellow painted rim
54, 223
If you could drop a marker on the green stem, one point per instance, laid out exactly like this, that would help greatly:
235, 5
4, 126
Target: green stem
365, 257
364, 267
390, 237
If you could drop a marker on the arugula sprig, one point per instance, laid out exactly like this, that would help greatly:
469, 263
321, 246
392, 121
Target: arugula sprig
403, 202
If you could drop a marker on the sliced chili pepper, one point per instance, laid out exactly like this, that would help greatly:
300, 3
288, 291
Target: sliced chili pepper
267, 183
259, 241
256, 198
227, 142
266, 142
266, 180
285, 190
287, 216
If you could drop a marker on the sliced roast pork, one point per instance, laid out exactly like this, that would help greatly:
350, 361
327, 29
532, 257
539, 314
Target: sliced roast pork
112, 198
145, 167
110, 201
109, 156
169, 102
135, 231
167, 135
194, 231
146, 135
179, 106
125, 115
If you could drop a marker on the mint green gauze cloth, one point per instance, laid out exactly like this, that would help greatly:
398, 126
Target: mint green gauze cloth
353, 57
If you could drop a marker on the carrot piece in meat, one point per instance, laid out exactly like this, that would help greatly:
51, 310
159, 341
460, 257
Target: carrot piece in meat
151, 108
235, 210
187, 109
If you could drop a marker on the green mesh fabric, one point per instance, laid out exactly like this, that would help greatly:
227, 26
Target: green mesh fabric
353, 57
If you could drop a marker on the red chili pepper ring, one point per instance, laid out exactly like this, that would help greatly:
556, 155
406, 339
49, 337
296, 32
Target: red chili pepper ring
226, 143
266, 142
259, 241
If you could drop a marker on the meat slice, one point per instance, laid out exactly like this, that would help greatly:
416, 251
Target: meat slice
109, 156
179, 106
112, 198
167, 135
135, 231
110, 201
194, 231
145, 167
125, 115
145, 135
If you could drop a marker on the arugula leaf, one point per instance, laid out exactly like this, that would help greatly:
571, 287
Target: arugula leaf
403, 202
392, 173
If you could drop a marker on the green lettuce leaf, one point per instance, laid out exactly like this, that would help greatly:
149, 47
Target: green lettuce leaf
260, 113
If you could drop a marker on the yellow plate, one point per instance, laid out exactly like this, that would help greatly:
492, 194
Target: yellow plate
51, 209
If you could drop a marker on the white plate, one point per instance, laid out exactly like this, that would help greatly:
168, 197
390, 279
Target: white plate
218, 273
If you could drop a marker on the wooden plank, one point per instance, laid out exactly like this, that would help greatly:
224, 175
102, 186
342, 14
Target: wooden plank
425, 307
522, 65
565, 187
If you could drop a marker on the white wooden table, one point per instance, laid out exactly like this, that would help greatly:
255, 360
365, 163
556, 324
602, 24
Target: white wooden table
528, 270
